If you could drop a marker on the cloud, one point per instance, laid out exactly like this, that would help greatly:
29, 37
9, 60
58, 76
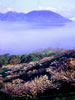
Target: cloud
52, 9
70, 13
47, 8
9, 9
73, 18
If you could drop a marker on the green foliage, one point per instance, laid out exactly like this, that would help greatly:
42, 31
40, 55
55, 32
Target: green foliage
73, 98
60, 98
3, 70
16, 57
3, 61
35, 56
23, 59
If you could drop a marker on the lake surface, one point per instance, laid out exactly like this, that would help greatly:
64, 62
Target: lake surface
20, 38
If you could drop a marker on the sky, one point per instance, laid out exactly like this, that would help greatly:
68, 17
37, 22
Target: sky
64, 7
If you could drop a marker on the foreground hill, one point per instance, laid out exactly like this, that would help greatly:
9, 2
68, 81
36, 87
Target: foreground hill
41, 16
52, 76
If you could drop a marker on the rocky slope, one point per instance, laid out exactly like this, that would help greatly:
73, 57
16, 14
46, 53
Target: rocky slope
56, 73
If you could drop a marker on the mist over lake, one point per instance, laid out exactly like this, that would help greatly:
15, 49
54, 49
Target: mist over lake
20, 37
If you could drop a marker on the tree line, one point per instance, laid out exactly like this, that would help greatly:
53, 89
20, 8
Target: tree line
26, 58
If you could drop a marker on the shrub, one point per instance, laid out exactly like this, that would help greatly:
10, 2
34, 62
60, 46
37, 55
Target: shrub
13, 61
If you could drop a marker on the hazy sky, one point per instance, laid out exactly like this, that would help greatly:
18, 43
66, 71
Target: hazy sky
65, 7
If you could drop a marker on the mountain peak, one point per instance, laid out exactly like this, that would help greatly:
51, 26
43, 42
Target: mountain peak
40, 16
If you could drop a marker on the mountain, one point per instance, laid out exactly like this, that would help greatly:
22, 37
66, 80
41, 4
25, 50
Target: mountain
46, 17
41, 16
12, 16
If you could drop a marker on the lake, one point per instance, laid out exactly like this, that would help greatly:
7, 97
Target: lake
20, 37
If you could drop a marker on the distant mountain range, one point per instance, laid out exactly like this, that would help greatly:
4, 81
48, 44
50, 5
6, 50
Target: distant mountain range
40, 16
